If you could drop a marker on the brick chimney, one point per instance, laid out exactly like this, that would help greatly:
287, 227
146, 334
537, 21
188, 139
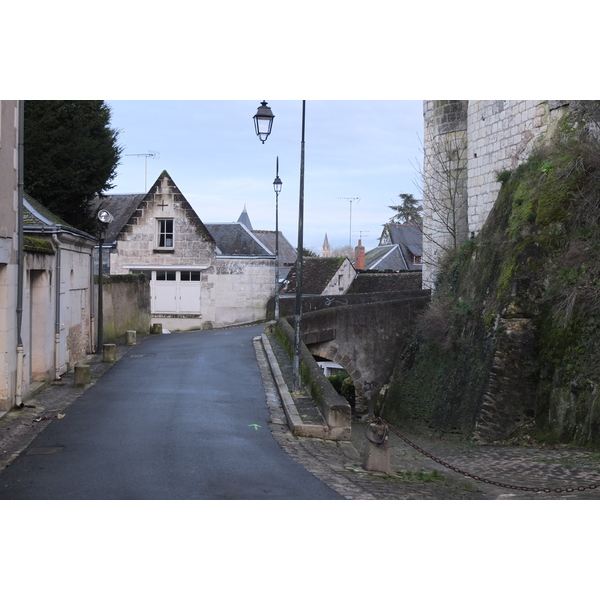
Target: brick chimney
359, 256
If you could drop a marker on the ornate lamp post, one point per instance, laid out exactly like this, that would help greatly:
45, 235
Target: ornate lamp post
263, 122
277, 187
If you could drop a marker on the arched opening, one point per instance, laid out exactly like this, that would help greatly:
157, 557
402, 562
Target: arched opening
339, 379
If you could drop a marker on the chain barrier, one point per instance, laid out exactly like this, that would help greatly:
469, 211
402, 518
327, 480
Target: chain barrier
520, 488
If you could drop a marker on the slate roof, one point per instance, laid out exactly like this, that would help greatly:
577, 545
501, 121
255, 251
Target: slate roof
121, 207
38, 219
245, 219
234, 239
287, 253
316, 274
408, 239
385, 258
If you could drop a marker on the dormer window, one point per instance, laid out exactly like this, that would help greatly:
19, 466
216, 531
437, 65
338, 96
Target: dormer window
416, 259
165, 233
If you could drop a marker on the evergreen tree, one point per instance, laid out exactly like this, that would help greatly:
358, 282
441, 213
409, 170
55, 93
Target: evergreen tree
71, 155
408, 212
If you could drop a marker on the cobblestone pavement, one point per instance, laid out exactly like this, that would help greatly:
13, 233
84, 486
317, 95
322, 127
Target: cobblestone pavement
339, 464
416, 476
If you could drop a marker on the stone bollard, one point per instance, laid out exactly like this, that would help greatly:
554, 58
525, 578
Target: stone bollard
156, 328
377, 448
130, 337
82, 374
109, 353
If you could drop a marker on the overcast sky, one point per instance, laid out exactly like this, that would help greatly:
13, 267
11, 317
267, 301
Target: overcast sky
363, 150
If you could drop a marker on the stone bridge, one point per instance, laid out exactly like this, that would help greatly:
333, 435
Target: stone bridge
365, 338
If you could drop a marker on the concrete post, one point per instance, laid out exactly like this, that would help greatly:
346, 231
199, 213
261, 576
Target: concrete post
156, 328
377, 448
109, 353
130, 337
82, 374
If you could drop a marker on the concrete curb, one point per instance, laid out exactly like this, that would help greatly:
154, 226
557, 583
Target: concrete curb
294, 420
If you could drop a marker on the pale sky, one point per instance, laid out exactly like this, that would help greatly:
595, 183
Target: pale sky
365, 150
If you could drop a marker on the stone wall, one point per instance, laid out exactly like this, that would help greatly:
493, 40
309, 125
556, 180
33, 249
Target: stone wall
126, 302
500, 134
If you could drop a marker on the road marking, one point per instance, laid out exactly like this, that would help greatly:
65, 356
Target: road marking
255, 426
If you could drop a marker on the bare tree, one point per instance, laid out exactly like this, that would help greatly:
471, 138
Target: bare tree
443, 183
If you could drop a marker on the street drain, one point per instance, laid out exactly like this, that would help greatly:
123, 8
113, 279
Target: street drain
44, 450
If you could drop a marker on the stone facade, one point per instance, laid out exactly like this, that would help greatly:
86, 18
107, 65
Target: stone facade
8, 252
490, 136
194, 283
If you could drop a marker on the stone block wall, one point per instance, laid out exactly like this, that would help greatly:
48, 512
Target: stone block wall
500, 134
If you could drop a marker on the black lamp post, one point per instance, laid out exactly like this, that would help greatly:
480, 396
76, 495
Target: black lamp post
263, 122
277, 187
104, 218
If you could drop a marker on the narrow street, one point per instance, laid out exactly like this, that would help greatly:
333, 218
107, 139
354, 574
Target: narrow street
181, 416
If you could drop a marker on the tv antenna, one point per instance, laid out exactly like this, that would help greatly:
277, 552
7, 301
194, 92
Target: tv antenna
351, 200
360, 234
151, 154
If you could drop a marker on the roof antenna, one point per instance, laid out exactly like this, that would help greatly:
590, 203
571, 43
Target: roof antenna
152, 154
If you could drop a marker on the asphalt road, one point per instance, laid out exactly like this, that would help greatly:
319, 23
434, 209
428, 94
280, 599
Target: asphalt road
182, 416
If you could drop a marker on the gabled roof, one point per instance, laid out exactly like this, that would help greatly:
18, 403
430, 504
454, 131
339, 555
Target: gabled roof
316, 274
234, 239
385, 258
408, 239
124, 206
287, 253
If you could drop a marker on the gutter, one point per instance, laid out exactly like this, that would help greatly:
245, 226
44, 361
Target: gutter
57, 308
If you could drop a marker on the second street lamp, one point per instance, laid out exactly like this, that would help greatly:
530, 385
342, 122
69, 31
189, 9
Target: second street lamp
277, 185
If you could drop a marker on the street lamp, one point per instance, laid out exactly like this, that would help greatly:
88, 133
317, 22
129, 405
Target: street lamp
277, 187
104, 218
263, 121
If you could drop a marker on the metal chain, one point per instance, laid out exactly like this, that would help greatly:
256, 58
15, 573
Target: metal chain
521, 488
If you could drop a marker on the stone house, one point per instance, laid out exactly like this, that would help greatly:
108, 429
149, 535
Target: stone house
201, 276
321, 277
9, 260
46, 314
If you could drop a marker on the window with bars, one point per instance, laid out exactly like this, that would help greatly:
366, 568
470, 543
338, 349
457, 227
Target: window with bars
165, 233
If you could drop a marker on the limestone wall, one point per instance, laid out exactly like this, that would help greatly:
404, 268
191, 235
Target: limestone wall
500, 134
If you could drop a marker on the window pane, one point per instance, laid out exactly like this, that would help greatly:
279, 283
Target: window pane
171, 275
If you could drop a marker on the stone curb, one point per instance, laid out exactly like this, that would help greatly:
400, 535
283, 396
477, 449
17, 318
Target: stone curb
294, 420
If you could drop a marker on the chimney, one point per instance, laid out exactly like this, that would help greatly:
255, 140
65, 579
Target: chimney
359, 256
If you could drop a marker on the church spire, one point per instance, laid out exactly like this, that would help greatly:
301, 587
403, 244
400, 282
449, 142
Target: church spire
326, 251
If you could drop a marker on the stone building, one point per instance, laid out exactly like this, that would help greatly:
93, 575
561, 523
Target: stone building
45, 281
9, 263
321, 277
466, 143
201, 275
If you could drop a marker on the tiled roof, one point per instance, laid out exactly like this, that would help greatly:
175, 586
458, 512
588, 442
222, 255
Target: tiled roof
121, 207
366, 282
245, 219
316, 274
